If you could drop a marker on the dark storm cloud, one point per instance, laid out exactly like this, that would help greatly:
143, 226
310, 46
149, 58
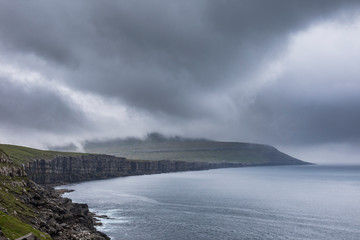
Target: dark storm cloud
162, 57
287, 119
35, 107
35, 28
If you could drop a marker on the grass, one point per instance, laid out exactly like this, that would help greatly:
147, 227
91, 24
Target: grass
193, 151
14, 228
10, 189
181, 150
12, 225
14, 212
20, 155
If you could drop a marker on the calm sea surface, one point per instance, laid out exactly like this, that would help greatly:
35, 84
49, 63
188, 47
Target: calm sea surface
297, 202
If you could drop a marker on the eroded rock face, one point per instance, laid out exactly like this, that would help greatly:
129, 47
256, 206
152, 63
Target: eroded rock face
12, 171
51, 213
4, 158
7, 168
60, 217
66, 169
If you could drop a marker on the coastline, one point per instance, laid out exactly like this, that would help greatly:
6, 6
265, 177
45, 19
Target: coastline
98, 218
58, 216
69, 169
183, 205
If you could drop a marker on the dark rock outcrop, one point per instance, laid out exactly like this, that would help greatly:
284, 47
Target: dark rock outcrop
60, 217
43, 208
7, 167
4, 158
67, 169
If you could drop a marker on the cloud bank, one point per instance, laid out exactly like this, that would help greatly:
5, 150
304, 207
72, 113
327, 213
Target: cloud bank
277, 72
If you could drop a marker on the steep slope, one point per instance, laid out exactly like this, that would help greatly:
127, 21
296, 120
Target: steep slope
26, 207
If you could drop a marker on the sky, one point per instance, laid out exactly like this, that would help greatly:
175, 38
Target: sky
280, 72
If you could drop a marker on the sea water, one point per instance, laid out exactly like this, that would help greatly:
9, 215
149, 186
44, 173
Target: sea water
288, 202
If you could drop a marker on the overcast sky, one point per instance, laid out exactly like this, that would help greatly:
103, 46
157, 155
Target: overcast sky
279, 72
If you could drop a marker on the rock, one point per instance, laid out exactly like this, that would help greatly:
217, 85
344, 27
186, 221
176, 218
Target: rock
4, 158
57, 216
62, 191
67, 169
9, 169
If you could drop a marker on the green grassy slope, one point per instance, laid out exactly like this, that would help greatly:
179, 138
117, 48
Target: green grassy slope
14, 228
19, 154
14, 212
191, 150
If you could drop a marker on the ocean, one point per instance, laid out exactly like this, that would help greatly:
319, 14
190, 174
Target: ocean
285, 202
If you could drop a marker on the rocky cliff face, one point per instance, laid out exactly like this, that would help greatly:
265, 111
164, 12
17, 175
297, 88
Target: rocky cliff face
66, 169
7, 168
35, 208
60, 217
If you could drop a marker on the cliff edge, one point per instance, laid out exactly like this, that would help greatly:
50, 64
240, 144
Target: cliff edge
26, 207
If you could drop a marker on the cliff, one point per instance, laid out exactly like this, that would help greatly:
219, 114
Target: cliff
67, 169
52, 167
8, 168
27, 208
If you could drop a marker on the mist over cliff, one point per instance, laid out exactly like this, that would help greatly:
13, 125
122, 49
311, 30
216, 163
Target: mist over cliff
155, 146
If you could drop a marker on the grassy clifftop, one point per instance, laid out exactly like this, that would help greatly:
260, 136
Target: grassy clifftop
19, 154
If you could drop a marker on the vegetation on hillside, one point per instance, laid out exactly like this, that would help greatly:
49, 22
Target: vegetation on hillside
14, 212
14, 228
19, 154
158, 147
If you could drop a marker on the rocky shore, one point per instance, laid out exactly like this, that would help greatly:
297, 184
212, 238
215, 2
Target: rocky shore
34, 207
61, 218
